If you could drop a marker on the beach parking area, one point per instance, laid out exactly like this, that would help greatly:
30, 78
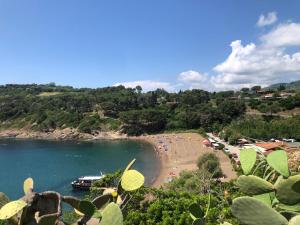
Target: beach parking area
180, 151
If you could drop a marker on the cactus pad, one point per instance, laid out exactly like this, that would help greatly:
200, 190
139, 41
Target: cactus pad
47, 219
112, 215
28, 185
291, 208
102, 200
196, 211
285, 192
295, 220
247, 159
278, 160
87, 208
11, 209
251, 211
72, 201
132, 180
265, 198
253, 185
199, 222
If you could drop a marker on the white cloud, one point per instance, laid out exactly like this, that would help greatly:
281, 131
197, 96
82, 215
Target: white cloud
284, 35
275, 58
192, 76
148, 85
270, 61
194, 79
269, 19
266, 63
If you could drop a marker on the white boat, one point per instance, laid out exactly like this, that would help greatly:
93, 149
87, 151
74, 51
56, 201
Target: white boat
85, 182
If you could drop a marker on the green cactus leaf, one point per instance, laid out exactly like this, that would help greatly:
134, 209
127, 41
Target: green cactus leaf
87, 208
196, 211
265, 198
295, 220
102, 200
278, 160
292, 208
97, 214
72, 201
253, 185
199, 222
132, 180
47, 219
285, 192
247, 159
296, 187
112, 215
251, 211
28, 185
11, 209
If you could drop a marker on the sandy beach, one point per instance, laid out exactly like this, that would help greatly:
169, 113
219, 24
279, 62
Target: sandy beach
180, 151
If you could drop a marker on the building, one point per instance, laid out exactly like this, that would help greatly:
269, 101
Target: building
268, 147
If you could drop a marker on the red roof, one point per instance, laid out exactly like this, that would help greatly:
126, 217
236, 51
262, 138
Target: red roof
270, 145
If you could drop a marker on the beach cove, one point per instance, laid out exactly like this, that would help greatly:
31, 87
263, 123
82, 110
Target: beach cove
161, 157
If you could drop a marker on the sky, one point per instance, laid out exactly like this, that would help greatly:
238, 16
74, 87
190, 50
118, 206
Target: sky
170, 44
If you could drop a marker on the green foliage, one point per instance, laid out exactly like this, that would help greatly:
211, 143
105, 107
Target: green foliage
210, 162
247, 159
50, 107
279, 161
272, 203
262, 129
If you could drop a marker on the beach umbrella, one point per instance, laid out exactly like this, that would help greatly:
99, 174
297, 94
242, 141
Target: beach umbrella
206, 142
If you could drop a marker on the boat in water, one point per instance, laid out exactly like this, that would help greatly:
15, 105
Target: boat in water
85, 182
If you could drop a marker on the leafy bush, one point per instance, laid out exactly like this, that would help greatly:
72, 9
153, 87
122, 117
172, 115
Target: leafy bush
210, 163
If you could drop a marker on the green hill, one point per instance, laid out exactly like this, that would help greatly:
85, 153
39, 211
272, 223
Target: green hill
295, 85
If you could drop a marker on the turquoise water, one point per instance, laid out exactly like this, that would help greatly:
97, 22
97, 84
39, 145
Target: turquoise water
53, 165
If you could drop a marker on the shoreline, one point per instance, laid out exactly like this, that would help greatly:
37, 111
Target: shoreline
176, 152
67, 134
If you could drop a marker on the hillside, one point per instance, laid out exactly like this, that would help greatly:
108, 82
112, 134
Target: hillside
288, 86
49, 107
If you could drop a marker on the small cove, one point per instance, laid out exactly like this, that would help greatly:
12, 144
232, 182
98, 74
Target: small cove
54, 164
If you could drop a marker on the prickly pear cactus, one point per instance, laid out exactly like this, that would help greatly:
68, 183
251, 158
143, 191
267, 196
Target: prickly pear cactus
273, 202
45, 208
247, 159
253, 185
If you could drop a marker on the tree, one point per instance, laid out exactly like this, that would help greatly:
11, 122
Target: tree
256, 88
210, 163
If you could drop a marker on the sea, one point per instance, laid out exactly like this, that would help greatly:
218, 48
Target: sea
53, 165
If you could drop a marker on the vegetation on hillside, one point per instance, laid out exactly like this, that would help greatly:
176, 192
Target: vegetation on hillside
262, 129
114, 108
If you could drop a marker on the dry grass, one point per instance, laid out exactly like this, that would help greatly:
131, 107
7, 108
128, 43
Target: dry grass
47, 94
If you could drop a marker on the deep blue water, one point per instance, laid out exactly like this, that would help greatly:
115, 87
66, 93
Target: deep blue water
53, 165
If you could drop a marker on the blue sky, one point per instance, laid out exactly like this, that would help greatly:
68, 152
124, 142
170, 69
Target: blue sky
173, 44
